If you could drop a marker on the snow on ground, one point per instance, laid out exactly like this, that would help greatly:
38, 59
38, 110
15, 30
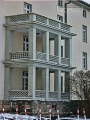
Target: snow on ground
8, 116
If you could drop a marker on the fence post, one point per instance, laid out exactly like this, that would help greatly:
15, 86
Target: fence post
3, 109
58, 112
50, 111
84, 113
25, 110
40, 112
78, 113
16, 109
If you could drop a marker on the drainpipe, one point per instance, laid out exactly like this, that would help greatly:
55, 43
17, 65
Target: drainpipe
66, 10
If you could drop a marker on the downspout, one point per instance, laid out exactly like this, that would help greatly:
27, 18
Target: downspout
66, 11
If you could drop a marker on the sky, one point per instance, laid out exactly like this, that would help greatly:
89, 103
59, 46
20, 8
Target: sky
88, 1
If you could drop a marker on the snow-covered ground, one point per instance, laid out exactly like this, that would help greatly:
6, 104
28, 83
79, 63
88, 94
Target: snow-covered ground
8, 116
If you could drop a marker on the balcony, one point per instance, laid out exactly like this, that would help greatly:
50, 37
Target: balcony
38, 19
39, 95
39, 56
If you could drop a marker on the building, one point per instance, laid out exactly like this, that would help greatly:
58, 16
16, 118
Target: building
38, 51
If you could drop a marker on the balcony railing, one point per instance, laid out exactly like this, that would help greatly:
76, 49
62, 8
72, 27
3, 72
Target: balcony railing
39, 94
39, 56
65, 61
39, 19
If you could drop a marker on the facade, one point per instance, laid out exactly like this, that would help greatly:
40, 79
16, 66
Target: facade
38, 50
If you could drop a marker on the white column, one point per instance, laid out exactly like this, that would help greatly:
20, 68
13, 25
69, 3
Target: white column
43, 79
45, 39
47, 83
32, 41
57, 47
57, 83
8, 44
8, 82
68, 50
31, 81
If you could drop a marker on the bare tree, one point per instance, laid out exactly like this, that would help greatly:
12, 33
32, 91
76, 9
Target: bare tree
80, 87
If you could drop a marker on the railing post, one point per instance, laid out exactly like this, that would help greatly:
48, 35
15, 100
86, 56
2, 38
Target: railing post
32, 17
47, 21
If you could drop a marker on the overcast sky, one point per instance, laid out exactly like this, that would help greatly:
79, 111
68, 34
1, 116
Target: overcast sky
88, 1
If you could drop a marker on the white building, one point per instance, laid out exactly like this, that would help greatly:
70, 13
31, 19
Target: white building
38, 51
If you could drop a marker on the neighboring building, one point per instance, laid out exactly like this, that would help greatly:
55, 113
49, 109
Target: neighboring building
40, 52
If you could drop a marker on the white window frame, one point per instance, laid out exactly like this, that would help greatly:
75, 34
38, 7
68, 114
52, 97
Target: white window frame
60, 18
27, 8
25, 43
84, 57
84, 33
25, 80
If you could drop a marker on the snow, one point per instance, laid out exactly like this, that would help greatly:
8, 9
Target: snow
8, 116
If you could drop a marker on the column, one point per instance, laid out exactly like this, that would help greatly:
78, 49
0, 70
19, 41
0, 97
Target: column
31, 81
57, 83
8, 43
8, 82
32, 42
47, 83
43, 79
68, 50
57, 47
45, 40
70, 40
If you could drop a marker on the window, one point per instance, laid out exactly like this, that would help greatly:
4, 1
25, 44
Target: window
59, 2
84, 60
25, 43
84, 33
84, 13
60, 18
27, 8
61, 83
25, 80
61, 51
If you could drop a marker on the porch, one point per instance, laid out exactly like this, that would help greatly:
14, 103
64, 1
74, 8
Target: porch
39, 95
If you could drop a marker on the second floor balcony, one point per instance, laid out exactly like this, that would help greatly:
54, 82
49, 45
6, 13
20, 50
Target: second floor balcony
39, 56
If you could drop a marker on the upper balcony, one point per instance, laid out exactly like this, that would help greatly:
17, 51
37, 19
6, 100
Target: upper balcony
39, 46
38, 19
27, 55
